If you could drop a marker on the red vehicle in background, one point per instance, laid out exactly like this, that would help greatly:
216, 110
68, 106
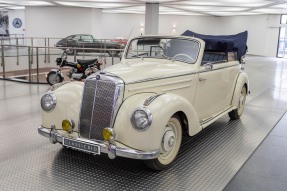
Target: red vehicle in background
120, 40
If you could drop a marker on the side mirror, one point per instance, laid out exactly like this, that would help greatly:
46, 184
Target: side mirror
70, 39
208, 66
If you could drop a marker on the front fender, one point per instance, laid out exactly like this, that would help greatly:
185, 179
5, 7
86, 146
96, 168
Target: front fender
162, 108
68, 105
241, 80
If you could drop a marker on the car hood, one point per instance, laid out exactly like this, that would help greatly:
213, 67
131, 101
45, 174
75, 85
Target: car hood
139, 71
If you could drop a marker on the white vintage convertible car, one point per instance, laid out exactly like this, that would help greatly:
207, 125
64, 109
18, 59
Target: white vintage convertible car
139, 108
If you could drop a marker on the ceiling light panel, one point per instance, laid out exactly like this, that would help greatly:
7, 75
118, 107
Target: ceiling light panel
93, 4
282, 6
271, 11
232, 13
28, 3
244, 3
208, 8
16, 7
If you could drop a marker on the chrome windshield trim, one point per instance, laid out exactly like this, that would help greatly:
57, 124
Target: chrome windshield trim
165, 37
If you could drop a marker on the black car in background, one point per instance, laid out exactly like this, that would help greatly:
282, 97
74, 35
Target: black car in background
88, 41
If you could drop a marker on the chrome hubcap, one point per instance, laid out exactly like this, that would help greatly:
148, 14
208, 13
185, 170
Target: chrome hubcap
168, 141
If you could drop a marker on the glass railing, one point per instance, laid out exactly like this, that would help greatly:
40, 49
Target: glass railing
27, 63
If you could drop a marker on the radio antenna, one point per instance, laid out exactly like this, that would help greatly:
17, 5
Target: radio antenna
131, 33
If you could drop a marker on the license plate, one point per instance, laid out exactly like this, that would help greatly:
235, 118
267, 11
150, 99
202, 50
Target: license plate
86, 147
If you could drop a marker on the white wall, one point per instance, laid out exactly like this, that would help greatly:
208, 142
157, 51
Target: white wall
63, 21
122, 24
262, 39
57, 21
199, 24
16, 14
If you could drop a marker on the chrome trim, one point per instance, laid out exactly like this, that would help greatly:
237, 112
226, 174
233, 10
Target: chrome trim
203, 71
54, 99
176, 88
159, 85
151, 99
118, 96
166, 37
110, 149
160, 78
149, 117
118, 99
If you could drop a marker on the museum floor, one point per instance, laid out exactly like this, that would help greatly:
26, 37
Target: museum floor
247, 154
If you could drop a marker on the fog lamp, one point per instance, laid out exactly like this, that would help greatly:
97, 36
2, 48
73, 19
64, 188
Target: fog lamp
68, 125
108, 134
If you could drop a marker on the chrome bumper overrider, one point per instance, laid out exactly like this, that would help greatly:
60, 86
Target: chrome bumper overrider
111, 149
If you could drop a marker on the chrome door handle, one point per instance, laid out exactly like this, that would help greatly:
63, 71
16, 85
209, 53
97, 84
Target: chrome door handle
202, 79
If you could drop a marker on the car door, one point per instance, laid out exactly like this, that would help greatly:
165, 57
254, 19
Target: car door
215, 88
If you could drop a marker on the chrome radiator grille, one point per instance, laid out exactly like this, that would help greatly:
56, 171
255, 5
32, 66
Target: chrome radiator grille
98, 104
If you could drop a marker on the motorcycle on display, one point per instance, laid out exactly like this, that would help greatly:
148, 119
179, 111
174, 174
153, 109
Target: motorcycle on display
79, 70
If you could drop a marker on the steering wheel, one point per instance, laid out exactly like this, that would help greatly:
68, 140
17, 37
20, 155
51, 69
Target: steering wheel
192, 59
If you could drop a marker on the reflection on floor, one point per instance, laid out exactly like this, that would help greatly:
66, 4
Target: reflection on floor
207, 161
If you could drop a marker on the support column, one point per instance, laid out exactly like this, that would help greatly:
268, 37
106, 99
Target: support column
151, 18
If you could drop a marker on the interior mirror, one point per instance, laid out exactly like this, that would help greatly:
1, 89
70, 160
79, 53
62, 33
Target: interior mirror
208, 66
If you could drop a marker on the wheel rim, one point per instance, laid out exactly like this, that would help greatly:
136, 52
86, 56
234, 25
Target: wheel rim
241, 102
69, 51
112, 52
171, 141
54, 78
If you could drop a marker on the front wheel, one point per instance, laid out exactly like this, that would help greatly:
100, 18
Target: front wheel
170, 145
236, 113
113, 53
54, 77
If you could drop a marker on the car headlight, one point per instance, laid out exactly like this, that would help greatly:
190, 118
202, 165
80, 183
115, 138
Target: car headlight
141, 119
48, 102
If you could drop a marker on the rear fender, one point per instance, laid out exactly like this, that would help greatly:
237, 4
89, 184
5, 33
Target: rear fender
241, 81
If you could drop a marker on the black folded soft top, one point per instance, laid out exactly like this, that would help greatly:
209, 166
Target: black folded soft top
223, 43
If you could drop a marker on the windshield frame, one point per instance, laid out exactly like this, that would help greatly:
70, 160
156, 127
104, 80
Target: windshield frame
164, 56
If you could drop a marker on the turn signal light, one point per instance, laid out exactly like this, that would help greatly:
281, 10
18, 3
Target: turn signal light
67, 125
108, 134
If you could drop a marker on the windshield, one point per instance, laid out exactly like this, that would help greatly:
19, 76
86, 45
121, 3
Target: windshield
169, 48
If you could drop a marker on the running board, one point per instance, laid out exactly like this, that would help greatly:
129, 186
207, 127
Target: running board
205, 122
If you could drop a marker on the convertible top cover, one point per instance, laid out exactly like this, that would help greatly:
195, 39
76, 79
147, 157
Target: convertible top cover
223, 43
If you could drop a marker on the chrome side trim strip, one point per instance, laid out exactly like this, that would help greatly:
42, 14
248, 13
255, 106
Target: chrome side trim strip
191, 73
151, 99
203, 71
158, 85
213, 117
176, 88
159, 78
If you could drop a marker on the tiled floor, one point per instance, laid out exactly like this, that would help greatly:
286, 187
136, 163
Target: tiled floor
267, 167
29, 162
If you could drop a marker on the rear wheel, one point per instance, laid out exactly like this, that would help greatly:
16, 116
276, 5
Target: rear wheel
236, 113
54, 77
170, 145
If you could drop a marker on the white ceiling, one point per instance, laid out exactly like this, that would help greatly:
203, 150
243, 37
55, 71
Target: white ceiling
177, 7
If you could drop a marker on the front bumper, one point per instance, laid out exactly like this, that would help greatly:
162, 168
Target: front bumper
111, 149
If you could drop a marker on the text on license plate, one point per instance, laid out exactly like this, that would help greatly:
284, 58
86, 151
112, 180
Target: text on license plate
86, 147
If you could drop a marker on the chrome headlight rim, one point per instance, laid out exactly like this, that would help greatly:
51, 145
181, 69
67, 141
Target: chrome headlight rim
148, 115
54, 100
